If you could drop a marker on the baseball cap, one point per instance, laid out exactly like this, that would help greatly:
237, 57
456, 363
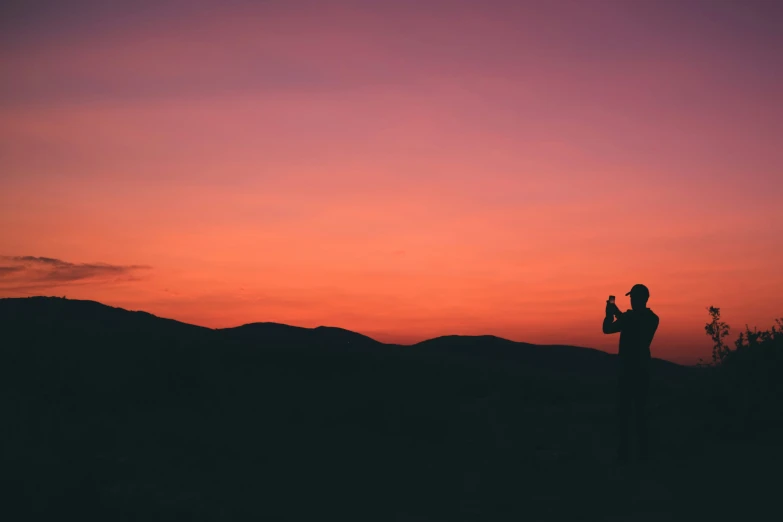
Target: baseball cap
639, 290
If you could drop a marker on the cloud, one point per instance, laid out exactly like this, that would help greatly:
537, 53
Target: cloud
6, 270
31, 272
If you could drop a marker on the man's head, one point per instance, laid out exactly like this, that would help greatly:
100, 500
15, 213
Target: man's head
639, 296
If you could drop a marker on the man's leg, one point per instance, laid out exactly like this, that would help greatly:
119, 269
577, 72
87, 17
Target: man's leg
624, 407
642, 433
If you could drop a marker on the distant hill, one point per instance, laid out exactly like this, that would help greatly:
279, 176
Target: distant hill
558, 358
87, 317
284, 334
73, 321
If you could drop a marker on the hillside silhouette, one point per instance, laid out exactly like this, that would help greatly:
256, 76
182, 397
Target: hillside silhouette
23, 316
282, 334
110, 414
86, 317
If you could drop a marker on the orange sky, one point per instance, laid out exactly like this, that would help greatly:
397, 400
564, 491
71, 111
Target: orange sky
404, 170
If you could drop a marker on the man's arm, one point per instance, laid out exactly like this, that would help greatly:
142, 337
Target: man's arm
653, 328
610, 325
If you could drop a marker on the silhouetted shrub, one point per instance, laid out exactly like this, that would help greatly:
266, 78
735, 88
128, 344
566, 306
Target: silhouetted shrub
747, 393
717, 330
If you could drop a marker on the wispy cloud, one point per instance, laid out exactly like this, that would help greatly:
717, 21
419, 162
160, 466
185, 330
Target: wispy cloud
31, 272
7, 270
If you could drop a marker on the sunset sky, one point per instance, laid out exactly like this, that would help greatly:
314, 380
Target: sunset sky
404, 169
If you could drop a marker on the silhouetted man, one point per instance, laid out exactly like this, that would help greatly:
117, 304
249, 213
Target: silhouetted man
637, 327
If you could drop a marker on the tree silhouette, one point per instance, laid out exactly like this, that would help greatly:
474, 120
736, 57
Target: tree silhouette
746, 386
717, 330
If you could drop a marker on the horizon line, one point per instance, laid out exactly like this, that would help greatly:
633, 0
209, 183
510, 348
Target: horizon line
65, 298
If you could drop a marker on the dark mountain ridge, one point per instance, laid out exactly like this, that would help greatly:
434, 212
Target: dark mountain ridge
81, 318
276, 332
85, 316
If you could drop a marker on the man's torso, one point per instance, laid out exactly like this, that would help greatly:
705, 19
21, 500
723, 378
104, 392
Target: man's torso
636, 336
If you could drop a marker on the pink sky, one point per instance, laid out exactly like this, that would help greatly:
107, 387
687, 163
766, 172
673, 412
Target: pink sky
401, 169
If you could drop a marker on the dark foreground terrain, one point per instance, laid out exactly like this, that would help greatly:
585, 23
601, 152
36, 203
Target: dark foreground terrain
113, 415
